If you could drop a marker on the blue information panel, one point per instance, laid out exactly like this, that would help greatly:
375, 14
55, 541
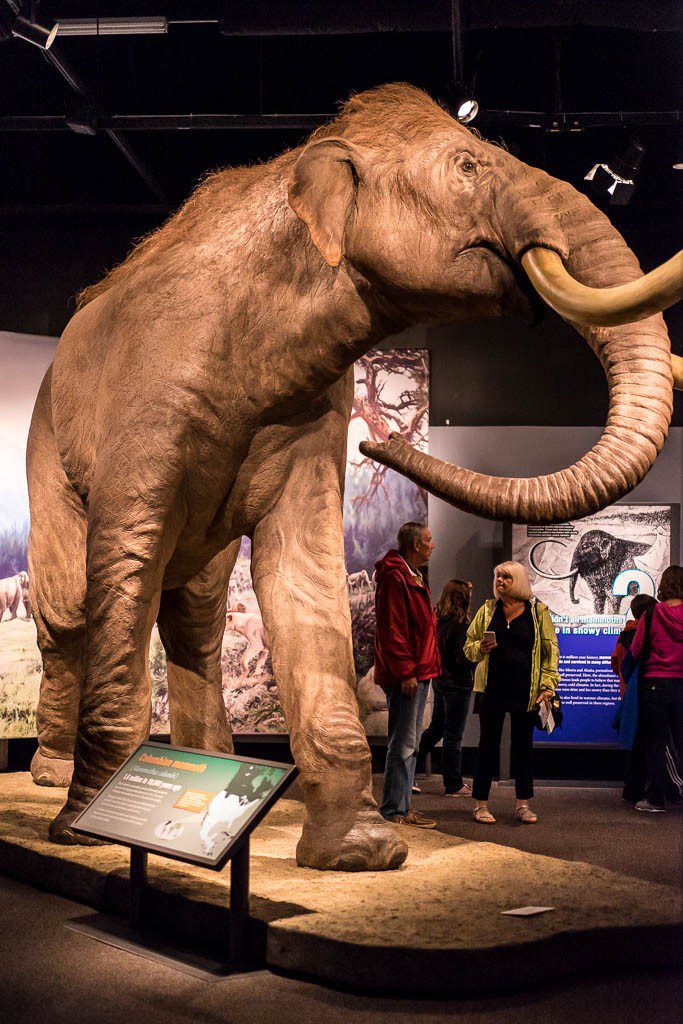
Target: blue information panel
588, 572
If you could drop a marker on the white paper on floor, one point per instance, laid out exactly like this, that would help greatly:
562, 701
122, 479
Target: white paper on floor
526, 911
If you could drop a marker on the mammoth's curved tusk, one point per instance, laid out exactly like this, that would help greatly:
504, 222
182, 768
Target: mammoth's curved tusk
603, 307
677, 367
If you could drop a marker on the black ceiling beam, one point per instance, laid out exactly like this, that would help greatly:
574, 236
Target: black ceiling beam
565, 122
54, 57
339, 17
96, 209
172, 122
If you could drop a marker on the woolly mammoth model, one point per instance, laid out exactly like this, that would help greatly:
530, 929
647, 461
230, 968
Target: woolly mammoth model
598, 558
203, 392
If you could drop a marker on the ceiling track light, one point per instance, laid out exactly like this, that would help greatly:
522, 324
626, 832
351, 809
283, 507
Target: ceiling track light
467, 109
617, 180
112, 26
462, 102
82, 117
33, 32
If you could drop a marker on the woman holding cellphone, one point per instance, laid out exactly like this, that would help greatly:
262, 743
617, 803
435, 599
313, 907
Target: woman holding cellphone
513, 642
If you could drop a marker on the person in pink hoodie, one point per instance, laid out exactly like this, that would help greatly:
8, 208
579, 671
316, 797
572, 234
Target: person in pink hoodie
658, 649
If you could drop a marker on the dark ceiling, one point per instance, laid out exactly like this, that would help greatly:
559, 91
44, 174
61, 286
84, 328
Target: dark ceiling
71, 205
302, 58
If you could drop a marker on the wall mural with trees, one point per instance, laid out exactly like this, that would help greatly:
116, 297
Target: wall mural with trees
391, 394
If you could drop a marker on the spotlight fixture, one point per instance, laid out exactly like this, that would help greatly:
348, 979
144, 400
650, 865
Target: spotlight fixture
33, 32
113, 26
618, 178
467, 110
462, 102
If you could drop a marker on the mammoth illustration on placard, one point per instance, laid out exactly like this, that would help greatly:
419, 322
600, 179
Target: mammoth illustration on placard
203, 391
598, 559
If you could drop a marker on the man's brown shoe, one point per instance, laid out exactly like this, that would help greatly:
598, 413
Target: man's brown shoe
417, 820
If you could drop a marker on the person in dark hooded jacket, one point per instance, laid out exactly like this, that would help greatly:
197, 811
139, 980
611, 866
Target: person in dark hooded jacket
406, 660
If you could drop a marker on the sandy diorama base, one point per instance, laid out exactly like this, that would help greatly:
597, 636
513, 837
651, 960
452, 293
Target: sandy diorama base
434, 926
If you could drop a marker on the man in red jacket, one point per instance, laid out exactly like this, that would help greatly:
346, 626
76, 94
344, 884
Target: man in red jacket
406, 659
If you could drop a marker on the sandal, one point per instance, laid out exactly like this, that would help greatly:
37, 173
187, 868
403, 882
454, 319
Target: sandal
483, 816
525, 815
464, 790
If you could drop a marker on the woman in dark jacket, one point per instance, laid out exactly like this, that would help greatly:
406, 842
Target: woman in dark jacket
453, 688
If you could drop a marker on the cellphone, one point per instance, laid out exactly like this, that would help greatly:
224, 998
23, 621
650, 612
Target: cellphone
490, 635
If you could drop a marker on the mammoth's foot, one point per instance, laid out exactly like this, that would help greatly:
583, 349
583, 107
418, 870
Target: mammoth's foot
371, 844
60, 830
51, 771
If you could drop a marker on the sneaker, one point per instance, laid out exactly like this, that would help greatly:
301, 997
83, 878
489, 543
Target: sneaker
417, 820
416, 789
645, 805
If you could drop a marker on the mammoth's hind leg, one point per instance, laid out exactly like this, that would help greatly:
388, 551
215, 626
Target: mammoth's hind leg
56, 556
191, 624
300, 580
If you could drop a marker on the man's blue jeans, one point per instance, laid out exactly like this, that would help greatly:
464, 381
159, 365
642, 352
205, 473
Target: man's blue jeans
405, 729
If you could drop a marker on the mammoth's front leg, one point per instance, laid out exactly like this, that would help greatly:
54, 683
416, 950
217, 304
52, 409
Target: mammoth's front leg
124, 567
300, 581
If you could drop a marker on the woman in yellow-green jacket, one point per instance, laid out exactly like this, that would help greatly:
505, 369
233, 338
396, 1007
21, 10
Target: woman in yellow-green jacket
513, 642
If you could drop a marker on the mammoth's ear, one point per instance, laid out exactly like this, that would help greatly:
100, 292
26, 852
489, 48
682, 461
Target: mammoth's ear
322, 191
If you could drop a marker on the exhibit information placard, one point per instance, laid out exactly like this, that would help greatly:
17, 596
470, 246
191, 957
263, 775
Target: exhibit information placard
588, 572
186, 804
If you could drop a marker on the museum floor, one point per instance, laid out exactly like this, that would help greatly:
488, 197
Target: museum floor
49, 974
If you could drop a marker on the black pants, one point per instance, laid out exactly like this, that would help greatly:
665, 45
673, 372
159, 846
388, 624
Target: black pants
448, 723
660, 720
491, 718
635, 782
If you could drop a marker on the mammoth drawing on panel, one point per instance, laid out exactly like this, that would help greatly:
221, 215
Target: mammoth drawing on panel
598, 559
203, 390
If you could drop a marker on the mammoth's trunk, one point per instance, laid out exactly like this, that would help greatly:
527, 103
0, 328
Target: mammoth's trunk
637, 362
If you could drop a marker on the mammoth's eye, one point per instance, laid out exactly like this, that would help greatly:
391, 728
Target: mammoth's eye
467, 165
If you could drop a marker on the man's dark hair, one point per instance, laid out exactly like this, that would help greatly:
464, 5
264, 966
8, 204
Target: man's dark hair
671, 583
640, 604
409, 535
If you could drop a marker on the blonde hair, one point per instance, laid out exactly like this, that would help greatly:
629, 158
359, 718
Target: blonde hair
521, 588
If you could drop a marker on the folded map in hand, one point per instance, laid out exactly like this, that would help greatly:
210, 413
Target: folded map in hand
547, 720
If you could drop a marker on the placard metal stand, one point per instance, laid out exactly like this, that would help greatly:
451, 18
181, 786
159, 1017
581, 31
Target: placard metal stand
239, 904
138, 887
136, 938
157, 785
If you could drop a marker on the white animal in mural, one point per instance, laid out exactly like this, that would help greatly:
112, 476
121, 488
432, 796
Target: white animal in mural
223, 819
14, 590
250, 626
372, 704
358, 582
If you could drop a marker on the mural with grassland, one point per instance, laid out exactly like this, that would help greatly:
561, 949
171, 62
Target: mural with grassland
391, 394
